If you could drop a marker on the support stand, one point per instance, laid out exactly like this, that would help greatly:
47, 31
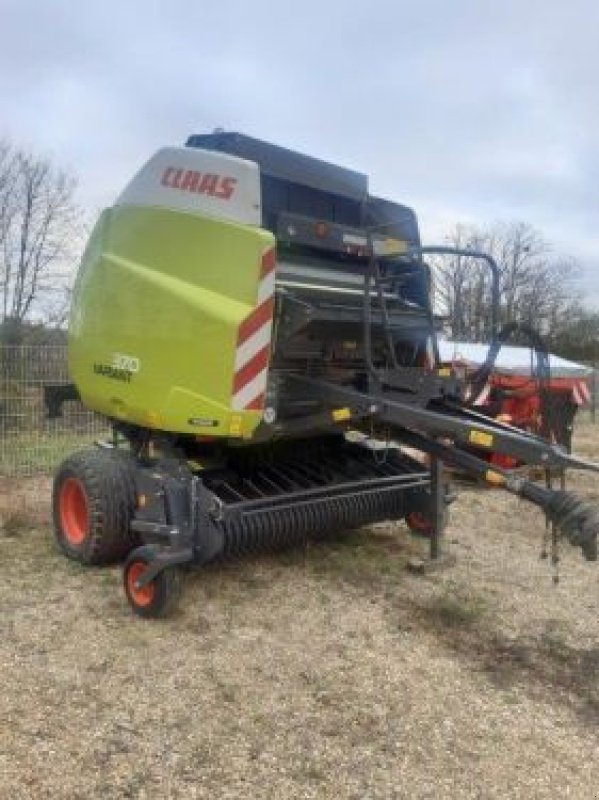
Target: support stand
438, 555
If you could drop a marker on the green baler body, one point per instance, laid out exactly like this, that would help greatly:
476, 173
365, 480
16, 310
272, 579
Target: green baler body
157, 305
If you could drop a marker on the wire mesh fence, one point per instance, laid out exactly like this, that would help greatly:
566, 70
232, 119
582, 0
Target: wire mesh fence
32, 444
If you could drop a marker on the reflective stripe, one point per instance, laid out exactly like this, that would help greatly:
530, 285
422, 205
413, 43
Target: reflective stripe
253, 343
253, 389
266, 287
256, 342
483, 396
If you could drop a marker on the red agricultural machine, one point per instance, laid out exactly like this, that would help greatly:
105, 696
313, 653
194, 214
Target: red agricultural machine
515, 393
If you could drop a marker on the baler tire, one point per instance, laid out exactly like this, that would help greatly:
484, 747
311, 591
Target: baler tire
93, 502
159, 597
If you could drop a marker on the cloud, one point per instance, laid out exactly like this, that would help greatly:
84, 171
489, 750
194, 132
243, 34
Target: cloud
467, 111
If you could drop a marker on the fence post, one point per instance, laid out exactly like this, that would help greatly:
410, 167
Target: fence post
594, 393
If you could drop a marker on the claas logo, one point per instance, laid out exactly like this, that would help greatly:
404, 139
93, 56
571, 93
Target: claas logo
188, 180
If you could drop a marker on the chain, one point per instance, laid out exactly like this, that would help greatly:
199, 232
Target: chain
379, 460
551, 534
555, 555
555, 552
547, 532
546, 538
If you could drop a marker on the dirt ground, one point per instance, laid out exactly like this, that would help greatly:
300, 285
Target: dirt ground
330, 673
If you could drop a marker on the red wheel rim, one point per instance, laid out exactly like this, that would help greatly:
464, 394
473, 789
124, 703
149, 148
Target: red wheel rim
143, 595
74, 511
419, 523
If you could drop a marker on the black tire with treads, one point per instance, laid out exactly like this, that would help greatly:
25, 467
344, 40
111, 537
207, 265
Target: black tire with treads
106, 478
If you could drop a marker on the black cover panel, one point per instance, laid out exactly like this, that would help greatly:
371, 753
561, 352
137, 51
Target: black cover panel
299, 184
288, 165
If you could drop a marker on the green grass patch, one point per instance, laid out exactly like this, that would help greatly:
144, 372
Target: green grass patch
16, 523
361, 557
456, 607
28, 452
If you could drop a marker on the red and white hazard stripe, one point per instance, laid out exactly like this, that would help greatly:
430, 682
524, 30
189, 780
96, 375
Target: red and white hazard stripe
580, 393
253, 343
482, 397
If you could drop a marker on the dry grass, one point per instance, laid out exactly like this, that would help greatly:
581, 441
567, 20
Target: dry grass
330, 673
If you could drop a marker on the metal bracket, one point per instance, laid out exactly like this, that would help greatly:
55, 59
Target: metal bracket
164, 560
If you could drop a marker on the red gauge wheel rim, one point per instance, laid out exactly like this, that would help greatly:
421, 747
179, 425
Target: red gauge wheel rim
74, 511
144, 595
418, 522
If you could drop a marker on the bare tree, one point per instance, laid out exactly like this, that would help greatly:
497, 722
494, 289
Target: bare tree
7, 208
40, 234
576, 335
536, 286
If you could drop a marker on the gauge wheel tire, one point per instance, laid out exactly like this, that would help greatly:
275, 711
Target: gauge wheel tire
93, 503
159, 597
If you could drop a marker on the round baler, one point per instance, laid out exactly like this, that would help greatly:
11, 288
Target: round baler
257, 328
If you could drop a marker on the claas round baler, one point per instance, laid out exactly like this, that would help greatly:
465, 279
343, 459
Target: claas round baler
257, 328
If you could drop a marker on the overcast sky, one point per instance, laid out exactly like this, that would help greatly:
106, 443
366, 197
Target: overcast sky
469, 111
